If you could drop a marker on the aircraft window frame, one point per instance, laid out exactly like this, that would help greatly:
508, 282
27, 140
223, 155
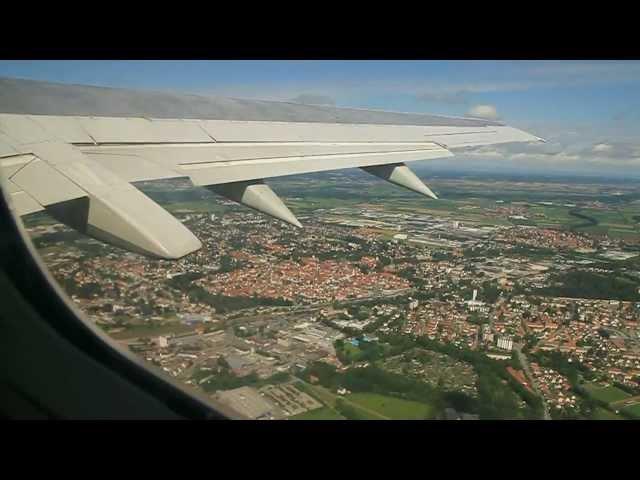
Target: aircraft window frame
21, 263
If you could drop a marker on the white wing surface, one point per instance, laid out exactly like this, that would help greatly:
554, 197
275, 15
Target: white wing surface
73, 151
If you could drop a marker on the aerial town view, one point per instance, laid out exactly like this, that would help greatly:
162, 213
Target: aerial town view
506, 298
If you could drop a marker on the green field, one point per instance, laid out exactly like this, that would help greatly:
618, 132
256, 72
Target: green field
330, 400
318, 392
469, 201
363, 406
604, 414
352, 352
313, 203
633, 410
324, 413
174, 328
196, 207
606, 394
391, 407
358, 413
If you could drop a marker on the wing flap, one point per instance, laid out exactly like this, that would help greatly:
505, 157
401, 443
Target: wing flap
134, 167
66, 129
143, 130
45, 184
22, 129
6, 146
21, 202
89, 198
24, 204
12, 164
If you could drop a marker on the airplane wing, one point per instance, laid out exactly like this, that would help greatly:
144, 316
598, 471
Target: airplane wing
74, 151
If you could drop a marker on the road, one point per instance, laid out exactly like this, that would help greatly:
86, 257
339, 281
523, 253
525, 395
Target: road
527, 371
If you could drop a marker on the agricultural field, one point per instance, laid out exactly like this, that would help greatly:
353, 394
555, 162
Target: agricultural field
615, 223
475, 201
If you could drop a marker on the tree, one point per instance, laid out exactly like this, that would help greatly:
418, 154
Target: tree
385, 261
490, 292
576, 314
227, 263
223, 363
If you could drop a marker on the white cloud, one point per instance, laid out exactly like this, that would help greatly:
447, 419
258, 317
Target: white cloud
602, 147
561, 154
483, 111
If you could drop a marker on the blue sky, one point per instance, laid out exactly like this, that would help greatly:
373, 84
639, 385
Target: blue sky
588, 110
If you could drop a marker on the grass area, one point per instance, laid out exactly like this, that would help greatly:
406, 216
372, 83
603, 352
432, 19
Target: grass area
152, 330
326, 397
356, 411
53, 250
319, 393
353, 411
624, 235
312, 203
615, 223
606, 394
604, 414
387, 234
633, 410
196, 207
323, 413
464, 200
551, 215
351, 351
391, 407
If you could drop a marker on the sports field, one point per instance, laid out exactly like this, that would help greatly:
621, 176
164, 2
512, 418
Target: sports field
391, 407
604, 414
633, 410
